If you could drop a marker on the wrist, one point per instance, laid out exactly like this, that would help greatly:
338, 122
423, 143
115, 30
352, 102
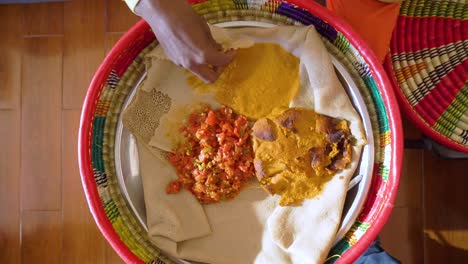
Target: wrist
147, 8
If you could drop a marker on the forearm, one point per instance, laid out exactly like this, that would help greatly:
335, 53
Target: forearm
145, 8
184, 36
149, 9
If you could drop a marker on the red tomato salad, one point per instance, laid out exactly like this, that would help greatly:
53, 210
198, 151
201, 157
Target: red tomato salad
216, 159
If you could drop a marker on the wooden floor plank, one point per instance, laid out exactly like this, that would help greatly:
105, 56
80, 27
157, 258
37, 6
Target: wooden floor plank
111, 256
10, 55
429, 229
445, 210
41, 236
402, 236
83, 48
410, 191
410, 131
40, 124
110, 41
43, 19
9, 186
119, 17
82, 241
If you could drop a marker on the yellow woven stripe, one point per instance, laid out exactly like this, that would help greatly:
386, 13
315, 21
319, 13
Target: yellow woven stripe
132, 4
385, 139
409, 71
352, 239
102, 107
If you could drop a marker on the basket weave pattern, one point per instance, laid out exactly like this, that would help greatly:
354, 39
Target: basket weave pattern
429, 63
127, 67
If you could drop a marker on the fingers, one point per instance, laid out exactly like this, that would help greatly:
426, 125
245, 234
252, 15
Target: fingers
218, 57
217, 46
206, 73
218, 70
212, 66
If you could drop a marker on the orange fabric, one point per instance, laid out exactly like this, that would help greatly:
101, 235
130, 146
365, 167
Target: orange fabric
372, 19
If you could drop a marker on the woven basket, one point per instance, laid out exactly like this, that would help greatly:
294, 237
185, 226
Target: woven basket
121, 68
428, 64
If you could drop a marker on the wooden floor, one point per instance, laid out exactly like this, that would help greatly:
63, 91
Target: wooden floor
48, 54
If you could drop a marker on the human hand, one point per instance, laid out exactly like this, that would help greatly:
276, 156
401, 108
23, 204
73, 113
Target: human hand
185, 37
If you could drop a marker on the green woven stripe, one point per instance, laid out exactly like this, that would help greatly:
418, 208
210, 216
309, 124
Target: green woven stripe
363, 226
96, 154
129, 230
384, 171
353, 62
127, 226
356, 232
374, 103
337, 251
102, 156
444, 127
447, 122
432, 8
134, 245
379, 104
132, 228
241, 4
452, 114
455, 112
462, 97
112, 211
462, 102
342, 43
340, 247
349, 61
360, 227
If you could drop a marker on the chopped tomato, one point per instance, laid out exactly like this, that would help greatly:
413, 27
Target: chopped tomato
173, 187
217, 159
211, 118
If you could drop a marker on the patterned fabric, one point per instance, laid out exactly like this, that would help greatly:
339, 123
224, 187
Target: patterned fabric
129, 67
429, 56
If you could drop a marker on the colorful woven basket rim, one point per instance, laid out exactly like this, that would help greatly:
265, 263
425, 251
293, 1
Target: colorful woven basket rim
403, 51
414, 118
376, 69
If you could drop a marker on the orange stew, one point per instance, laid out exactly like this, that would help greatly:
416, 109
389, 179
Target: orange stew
217, 157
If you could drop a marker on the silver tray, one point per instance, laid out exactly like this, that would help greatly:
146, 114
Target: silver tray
127, 161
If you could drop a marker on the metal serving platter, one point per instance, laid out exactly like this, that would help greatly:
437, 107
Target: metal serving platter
127, 161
